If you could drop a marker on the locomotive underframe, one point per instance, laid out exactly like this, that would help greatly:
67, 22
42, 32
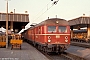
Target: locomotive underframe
53, 47
56, 47
49, 47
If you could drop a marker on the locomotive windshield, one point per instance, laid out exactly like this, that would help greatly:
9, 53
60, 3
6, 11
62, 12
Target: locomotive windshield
62, 29
51, 28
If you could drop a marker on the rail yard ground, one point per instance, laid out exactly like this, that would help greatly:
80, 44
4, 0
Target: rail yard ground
29, 52
26, 53
79, 51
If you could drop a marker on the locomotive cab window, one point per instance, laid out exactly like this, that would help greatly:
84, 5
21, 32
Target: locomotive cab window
52, 29
62, 29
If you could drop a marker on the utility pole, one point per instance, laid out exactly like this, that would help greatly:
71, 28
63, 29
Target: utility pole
7, 25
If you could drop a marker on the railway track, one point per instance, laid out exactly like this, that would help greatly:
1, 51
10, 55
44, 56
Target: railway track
55, 56
62, 56
58, 57
73, 56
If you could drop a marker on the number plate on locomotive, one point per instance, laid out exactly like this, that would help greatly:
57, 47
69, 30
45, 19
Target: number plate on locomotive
57, 36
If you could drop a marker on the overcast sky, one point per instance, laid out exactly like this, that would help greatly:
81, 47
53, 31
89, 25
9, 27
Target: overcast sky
40, 10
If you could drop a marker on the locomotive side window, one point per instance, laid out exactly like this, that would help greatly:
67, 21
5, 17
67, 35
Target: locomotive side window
62, 29
51, 28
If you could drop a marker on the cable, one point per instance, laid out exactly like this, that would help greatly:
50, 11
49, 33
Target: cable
42, 9
54, 3
43, 13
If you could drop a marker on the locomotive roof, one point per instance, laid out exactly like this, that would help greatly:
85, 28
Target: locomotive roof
54, 21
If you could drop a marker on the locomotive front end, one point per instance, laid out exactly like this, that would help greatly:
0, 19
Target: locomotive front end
58, 37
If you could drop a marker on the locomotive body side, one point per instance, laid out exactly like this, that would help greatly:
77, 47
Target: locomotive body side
52, 35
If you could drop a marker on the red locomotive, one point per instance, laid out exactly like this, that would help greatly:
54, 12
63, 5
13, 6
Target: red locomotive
51, 35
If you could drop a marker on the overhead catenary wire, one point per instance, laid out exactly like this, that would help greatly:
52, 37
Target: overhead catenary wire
43, 13
54, 3
43, 9
39, 12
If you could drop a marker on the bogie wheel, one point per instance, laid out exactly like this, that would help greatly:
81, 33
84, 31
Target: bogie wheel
44, 49
39, 47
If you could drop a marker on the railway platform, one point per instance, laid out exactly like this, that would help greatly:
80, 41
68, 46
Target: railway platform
79, 51
27, 52
86, 45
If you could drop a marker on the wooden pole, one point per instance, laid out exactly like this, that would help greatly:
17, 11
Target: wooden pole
7, 26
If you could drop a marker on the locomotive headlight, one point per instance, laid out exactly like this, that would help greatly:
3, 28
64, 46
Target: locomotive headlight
49, 41
57, 22
66, 39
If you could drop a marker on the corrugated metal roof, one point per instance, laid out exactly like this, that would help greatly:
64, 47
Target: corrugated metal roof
80, 20
15, 17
